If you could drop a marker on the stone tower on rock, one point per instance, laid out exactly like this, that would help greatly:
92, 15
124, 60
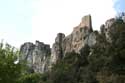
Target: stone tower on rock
74, 41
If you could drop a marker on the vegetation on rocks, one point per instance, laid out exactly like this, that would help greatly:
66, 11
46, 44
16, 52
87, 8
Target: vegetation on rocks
102, 63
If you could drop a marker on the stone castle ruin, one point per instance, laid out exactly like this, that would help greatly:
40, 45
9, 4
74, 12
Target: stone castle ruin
40, 56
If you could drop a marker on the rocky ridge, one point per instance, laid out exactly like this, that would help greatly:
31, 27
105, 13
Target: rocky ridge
41, 57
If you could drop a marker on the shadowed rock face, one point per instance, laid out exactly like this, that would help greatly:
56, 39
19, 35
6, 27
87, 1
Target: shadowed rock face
57, 51
37, 55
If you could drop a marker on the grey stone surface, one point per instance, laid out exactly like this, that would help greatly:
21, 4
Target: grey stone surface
37, 55
57, 51
74, 41
41, 58
91, 40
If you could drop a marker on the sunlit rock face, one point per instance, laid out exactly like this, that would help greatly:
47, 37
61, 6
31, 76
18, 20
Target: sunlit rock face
41, 58
76, 40
81, 35
83, 40
37, 55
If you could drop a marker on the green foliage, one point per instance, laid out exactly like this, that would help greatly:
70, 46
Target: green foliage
118, 44
110, 56
30, 78
120, 15
12, 70
9, 70
64, 71
71, 69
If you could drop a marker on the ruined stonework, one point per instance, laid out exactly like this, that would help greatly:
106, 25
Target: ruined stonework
82, 40
86, 22
37, 56
41, 58
81, 35
76, 40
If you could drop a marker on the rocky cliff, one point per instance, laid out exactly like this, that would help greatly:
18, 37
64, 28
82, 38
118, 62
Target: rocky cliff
37, 56
41, 57
101, 53
81, 35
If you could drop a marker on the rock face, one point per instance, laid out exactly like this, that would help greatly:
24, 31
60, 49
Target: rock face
108, 29
40, 57
76, 40
57, 51
81, 35
37, 56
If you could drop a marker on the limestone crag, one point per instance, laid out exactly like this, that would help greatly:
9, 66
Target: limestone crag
108, 28
57, 51
41, 58
37, 55
26, 52
88, 44
81, 35
76, 40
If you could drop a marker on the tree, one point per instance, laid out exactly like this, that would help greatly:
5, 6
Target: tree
120, 16
65, 70
30, 78
10, 68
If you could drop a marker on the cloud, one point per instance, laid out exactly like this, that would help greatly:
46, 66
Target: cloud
53, 16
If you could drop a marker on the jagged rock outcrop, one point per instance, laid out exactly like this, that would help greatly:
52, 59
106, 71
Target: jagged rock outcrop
37, 56
87, 44
57, 51
107, 28
81, 35
40, 57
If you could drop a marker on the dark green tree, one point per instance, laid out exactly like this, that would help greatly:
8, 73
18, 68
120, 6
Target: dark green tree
10, 67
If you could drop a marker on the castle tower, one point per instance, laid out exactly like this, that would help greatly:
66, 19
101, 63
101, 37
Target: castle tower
86, 22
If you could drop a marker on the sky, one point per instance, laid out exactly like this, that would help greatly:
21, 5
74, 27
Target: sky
29, 20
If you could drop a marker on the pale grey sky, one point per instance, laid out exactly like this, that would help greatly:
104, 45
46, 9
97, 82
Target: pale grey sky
29, 20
